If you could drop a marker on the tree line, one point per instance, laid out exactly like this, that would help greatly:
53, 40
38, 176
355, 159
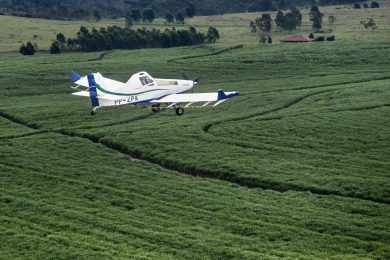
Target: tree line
86, 9
287, 20
366, 5
149, 15
114, 37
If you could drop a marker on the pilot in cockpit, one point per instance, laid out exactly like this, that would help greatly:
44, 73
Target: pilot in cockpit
146, 81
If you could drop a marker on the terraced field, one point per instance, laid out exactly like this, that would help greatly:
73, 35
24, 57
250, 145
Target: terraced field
297, 167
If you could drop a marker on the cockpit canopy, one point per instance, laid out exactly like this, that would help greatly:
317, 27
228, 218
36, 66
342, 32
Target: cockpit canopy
145, 80
141, 79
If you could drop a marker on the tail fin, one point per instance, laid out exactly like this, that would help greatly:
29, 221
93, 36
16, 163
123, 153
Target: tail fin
92, 90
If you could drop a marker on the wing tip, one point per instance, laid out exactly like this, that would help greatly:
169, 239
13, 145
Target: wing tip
222, 95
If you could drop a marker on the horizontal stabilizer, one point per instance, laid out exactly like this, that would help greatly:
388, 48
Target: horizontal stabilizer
74, 76
81, 94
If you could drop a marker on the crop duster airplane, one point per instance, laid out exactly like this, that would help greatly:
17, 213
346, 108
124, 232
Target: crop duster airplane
142, 89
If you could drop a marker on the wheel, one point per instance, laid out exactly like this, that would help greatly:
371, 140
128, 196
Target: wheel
156, 108
179, 111
93, 111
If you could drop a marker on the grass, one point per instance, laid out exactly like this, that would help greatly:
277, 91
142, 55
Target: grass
106, 205
295, 168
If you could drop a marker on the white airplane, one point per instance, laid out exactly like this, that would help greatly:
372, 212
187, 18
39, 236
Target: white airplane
142, 89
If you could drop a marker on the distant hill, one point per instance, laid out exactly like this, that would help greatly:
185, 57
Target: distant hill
114, 8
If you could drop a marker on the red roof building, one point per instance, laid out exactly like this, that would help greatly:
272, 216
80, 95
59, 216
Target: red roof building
296, 38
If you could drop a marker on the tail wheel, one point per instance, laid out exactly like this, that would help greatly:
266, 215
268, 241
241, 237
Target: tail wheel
156, 108
93, 111
179, 111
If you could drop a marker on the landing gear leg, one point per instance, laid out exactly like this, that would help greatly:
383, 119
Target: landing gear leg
179, 111
156, 108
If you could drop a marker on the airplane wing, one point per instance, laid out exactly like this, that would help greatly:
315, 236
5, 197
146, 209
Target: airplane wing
206, 98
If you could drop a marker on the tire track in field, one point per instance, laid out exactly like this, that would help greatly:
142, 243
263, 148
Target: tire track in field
322, 85
182, 168
10, 137
101, 56
175, 60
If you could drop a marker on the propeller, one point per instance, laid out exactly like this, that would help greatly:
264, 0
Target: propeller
196, 81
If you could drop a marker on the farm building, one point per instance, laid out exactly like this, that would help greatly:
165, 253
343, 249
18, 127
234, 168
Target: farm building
296, 38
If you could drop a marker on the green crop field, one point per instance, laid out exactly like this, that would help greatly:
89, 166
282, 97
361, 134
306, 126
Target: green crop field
296, 167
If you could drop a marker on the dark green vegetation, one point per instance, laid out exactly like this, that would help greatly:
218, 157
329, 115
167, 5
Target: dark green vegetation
98, 8
114, 37
296, 167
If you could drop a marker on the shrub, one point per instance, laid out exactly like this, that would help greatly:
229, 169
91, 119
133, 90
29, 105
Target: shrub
55, 48
331, 38
374, 4
27, 49
319, 39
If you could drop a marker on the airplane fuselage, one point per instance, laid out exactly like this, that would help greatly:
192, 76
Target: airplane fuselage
146, 94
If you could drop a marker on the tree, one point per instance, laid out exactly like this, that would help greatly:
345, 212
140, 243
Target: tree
356, 6
331, 38
136, 15
22, 49
61, 38
190, 10
212, 35
279, 19
369, 24
27, 49
289, 22
374, 4
71, 44
179, 18
316, 18
169, 18
264, 23
148, 15
55, 48
298, 16
252, 26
